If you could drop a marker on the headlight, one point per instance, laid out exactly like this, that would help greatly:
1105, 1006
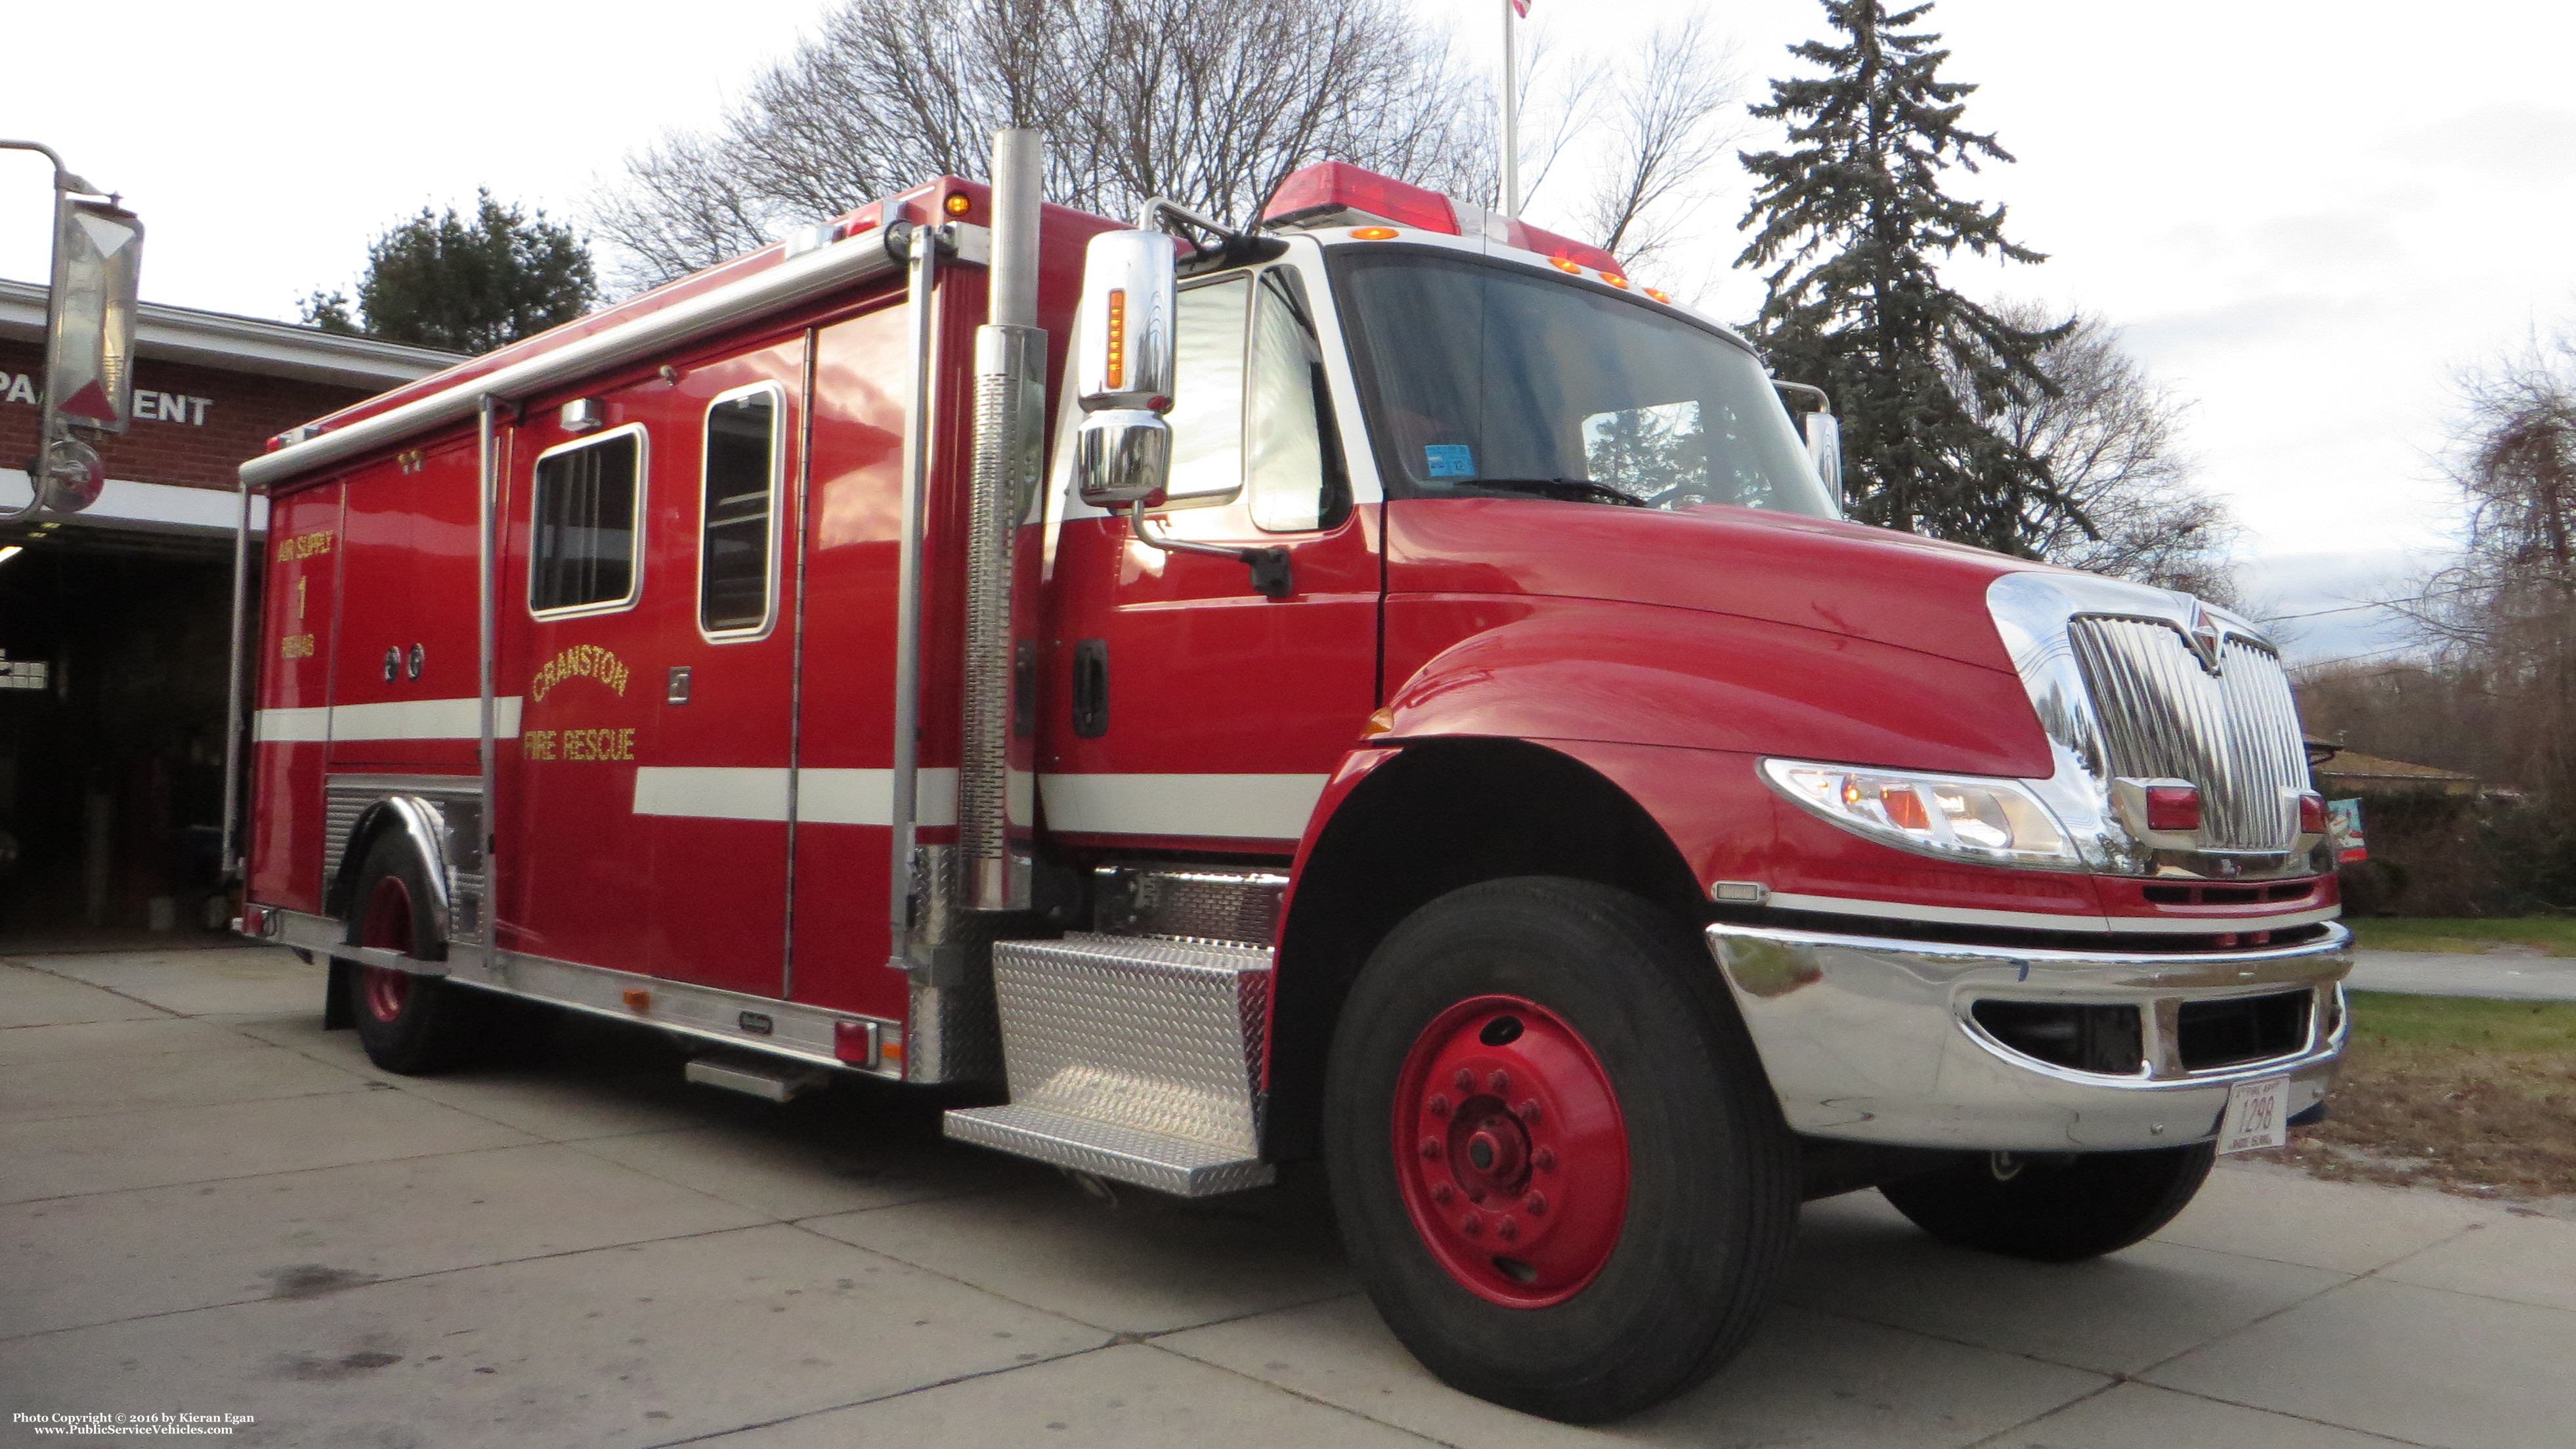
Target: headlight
1963, 817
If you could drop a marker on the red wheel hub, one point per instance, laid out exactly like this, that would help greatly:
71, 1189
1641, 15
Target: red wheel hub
387, 926
1510, 1151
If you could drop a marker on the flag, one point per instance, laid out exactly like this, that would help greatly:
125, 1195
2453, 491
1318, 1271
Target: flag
1521, 8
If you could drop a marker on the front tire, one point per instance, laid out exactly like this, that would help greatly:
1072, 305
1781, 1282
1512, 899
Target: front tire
1555, 1159
2054, 1209
413, 1025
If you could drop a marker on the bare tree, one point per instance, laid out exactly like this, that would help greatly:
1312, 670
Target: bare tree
1208, 102
2111, 437
2505, 615
1671, 115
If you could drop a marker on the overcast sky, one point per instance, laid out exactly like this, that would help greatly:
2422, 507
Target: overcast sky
2303, 217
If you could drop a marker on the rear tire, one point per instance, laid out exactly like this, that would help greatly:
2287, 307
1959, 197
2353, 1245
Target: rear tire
1669, 1225
412, 1025
2054, 1209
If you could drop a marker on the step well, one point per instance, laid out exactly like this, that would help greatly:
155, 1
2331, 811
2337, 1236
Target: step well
1136, 1059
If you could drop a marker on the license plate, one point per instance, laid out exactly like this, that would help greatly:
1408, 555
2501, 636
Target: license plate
2255, 1118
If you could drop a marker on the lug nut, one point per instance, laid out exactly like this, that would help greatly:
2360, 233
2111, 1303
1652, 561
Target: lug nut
1528, 1111
1507, 1230
1440, 1105
1536, 1205
1500, 1082
1441, 1192
1544, 1159
1473, 1225
1465, 1081
1431, 1149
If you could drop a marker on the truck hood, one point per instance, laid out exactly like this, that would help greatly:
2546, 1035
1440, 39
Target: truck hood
1845, 579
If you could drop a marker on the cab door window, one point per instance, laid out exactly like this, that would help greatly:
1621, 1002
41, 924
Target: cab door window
1293, 471
1207, 394
1251, 416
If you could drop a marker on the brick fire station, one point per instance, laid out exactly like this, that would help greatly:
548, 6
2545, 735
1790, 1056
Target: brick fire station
114, 623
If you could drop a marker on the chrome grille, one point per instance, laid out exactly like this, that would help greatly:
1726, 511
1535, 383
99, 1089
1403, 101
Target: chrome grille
2235, 733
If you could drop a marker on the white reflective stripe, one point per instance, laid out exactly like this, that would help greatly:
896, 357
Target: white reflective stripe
291, 724
712, 792
866, 797
424, 719
2051, 920
402, 719
1243, 807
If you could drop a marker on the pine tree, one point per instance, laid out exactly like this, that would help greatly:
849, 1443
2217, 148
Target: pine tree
440, 280
1853, 224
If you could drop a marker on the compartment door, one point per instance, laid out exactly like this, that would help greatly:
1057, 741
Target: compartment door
711, 794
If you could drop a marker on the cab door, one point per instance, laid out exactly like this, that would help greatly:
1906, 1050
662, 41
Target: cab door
1191, 712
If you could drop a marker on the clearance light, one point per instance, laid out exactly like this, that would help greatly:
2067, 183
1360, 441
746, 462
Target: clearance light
1562, 265
957, 203
2174, 808
1962, 817
1114, 373
1614, 279
1373, 233
2312, 806
1664, 297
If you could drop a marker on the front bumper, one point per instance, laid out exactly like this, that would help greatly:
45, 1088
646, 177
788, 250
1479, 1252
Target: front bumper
1872, 1039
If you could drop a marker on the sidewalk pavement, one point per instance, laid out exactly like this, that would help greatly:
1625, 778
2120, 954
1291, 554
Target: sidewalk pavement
2437, 973
209, 1205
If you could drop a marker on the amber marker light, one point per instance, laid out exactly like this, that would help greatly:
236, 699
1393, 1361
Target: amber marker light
957, 204
1562, 265
1664, 297
1114, 372
1614, 279
1373, 233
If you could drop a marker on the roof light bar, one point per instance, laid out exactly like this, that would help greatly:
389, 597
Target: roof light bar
1336, 193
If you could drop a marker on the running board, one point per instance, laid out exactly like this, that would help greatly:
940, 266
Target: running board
1133, 1059
771, 1081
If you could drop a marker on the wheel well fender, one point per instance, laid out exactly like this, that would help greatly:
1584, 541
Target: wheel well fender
1438, 815
421, 826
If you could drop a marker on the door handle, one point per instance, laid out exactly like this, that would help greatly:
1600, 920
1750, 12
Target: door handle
1091, 688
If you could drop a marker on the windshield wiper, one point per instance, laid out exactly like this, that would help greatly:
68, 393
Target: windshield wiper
1564, 490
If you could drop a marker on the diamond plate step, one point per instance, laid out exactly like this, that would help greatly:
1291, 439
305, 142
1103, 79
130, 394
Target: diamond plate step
1135, 1059
1175, 1165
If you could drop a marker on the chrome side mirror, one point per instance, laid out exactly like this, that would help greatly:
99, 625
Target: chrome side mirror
1122, 369
1825, 450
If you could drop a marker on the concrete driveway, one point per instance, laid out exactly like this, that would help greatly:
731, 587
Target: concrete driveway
210, 1206
2510, 977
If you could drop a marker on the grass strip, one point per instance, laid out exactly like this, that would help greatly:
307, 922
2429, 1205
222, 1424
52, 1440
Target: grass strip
2473, 1096
2550, 935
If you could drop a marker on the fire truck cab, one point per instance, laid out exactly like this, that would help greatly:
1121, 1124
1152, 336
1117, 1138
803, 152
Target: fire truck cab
1378, 685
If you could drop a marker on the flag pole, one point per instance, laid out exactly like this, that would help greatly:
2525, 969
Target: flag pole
1511, 120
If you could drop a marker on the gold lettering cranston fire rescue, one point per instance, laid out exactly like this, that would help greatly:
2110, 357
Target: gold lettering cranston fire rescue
583, 661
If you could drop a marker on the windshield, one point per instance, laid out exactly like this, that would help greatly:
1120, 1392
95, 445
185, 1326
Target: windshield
1484, 379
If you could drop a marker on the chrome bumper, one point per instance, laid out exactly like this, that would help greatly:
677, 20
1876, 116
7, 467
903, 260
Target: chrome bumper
1871, 1039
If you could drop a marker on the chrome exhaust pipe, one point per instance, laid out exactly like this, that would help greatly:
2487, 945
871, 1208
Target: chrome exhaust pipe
1010, 431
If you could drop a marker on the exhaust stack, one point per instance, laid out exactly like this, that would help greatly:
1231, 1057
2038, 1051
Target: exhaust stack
1010, 428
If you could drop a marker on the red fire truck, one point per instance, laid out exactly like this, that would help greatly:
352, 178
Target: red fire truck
1378, 685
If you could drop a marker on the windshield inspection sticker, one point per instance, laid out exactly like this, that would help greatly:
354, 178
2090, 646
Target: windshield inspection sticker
1450, 460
